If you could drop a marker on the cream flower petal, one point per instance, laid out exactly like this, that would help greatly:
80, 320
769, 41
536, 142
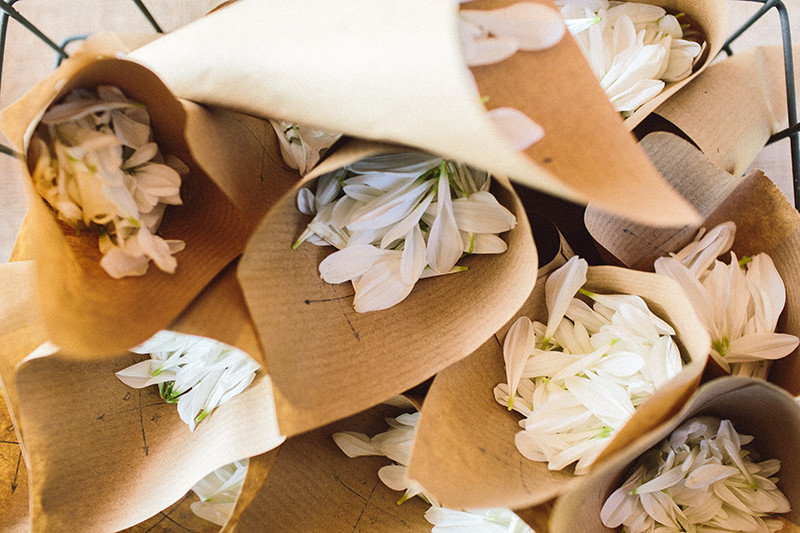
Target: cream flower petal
413, 260
402, 228
380, 287
389, 208
517, 127
355, 444
444, 240
517, 346
758, 346
353, 261
482, 213
533, 26
560, 288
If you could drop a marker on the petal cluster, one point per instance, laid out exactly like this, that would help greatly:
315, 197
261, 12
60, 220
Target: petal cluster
197, 373
302, 146
396, 444
739, 303
99, 168
702, 478
398, 218
634, 49
219, 491
579, 378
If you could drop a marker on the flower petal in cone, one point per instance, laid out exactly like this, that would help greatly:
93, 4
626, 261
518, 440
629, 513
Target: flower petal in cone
87, 312
288, 300
462, 423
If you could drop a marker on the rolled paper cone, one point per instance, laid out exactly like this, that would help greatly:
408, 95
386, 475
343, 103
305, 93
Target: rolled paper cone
732, 109
86, 311
462, 424
765, 222
397, 73
754, 407
314, 486
311, 333
99, 452
712, 19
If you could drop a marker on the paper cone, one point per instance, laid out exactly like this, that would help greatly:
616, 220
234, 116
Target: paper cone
103, 456
732, 109
754, 407
394, 71
13, 478
765, 222
712, 19
316, 344
462, 424
314, 486
86, 311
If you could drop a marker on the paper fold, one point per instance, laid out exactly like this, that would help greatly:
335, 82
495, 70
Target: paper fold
393, 71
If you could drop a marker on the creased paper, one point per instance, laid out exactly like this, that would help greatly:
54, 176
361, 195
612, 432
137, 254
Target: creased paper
394, 71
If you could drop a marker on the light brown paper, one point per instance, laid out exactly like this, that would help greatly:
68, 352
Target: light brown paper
712, 17
313, 486
13, 478
754, 407
86, 311
393, 71
103, 456
732, 109
465, 452
317, 345
765, 222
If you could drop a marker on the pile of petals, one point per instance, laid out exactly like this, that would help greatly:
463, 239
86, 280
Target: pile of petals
580, 377
219, 491
303, 146
398, 218
700, 479
99, 168
195, 372
633, 48
738, 303
396, 444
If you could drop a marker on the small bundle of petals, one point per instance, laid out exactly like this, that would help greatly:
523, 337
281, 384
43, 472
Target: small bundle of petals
303, 146
396, 444
197, 373
219, 491
99, 168
699, 479
579, 378
634, 49
739, 303
398, 218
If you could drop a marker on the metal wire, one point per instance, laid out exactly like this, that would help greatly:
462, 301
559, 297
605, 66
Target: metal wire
793, 131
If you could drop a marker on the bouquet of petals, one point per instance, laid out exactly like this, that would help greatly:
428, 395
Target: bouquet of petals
462, 422
579, 378
748, 304
397, 218
718, 464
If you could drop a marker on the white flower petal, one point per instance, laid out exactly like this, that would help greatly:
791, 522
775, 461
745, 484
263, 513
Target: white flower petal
517, 127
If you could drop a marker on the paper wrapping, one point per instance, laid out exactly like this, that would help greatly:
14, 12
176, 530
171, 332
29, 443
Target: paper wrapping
315, 343
754, 407
393, 71
712, 18
86, 311
465, 452
103, 456
314, 486
765, 222
732, 109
